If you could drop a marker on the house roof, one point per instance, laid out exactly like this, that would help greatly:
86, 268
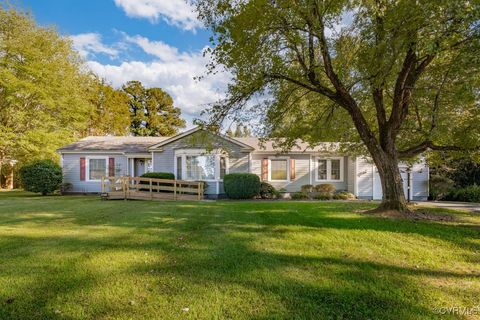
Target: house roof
271, 145
125, 144
113, 143
188, 132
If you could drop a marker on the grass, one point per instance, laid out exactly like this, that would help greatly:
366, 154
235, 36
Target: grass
83, 258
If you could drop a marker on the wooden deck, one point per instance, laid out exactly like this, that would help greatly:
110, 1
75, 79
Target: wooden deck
138, 188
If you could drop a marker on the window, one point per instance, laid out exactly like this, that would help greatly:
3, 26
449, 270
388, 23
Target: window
223, 167
200, 167
279, 170
179, 168
330, 169
335, 171
322, 169
97, 168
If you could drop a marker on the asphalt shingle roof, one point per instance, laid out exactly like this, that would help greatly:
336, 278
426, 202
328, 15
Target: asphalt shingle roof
111, 143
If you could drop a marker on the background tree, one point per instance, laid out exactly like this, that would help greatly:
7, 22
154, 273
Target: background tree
152, 111
110, 110
43, 90
401, 77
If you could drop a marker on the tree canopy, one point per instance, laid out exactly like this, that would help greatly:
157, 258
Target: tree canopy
43, 90
401, 77
152, 111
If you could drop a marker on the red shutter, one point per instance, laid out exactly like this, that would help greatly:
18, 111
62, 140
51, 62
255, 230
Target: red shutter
82, 169
292, 169
111, 167
265, 169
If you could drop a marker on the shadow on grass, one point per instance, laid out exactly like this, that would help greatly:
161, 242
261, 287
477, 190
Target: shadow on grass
212, 245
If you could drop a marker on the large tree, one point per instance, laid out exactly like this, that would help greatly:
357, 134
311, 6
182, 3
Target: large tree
401, 77
152, 111
43, 89
110, 110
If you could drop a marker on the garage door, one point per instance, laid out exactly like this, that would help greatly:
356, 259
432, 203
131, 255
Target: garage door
377, 185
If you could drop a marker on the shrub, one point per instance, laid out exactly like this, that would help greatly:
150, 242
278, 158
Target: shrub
325, 188
306, 188
343, 195
323, 196
241, 185
467, 194
267, 191
159, 175
42, 176
439, 186
299, 196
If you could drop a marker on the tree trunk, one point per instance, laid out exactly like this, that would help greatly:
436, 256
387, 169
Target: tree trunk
392, 185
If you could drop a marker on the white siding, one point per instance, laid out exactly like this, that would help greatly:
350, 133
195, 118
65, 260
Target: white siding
364, 177
71, 171
238, 160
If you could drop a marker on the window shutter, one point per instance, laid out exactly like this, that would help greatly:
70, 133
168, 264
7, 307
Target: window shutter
265, 169
82, 169
111, 167
292, 169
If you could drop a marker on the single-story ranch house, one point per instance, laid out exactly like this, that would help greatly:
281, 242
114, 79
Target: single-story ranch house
200, 155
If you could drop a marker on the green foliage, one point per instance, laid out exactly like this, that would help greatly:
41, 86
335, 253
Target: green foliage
44, 99
323, 196
110, 112
299, 196
467, 194
439, 186
241, 185
267, 191
41, 176
159, 175
306, 188
344, 195
152, 111
325, 188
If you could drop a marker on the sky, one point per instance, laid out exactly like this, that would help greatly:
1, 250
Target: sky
158, 42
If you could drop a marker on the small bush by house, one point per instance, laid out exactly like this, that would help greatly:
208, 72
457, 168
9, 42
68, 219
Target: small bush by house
344, 195
159, 175
439, 186
325, 188
42, 176
267, 191
299, 196
467, 194
241, 185
307, 188
323, 196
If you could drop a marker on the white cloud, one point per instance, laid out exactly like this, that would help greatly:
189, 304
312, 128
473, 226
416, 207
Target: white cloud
174, 12
89, 44
173, 71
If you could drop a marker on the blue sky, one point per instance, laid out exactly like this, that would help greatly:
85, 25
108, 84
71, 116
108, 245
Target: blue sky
159, 42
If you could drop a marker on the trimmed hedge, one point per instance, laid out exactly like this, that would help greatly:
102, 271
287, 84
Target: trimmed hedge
159, 175
241, 185
325, 188
42, 176
267, 191
299, 196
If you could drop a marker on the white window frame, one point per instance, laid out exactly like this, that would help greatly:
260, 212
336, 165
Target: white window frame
270, 168
87, 168
183, 153
329, 169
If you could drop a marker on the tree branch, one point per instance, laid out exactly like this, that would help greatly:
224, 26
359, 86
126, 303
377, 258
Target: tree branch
429, 145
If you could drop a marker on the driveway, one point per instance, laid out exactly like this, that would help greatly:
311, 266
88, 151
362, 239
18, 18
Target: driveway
464, 206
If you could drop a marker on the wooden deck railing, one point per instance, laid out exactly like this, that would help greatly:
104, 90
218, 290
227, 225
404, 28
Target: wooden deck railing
150, 188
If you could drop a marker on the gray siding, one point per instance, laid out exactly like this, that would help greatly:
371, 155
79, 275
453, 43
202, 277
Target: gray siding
163, 161
364, 177
304, 172
420, 179
71, 171
350, 174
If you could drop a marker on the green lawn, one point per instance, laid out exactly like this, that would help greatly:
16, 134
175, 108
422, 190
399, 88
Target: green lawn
83, 258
